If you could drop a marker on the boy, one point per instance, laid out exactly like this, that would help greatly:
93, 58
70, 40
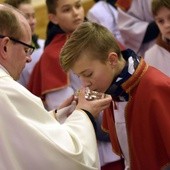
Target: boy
48, 80
158, 54
138, 129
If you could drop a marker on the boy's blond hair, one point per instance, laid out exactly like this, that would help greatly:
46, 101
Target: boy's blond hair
91, 37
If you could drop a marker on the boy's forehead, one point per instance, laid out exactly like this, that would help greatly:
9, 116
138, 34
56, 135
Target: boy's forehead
83, 58
61, 3
84, 64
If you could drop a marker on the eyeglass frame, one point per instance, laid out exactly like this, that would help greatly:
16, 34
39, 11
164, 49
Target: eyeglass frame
20, 42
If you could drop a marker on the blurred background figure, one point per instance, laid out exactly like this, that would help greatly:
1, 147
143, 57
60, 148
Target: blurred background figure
48, 80
137, 26
104, 12
28, 10
159, 54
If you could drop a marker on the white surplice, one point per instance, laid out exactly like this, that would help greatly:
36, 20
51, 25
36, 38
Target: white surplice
133, 24
105, 14
120, 124
159, 58
31, 139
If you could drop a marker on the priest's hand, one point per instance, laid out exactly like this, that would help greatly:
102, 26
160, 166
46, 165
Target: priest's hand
94, 106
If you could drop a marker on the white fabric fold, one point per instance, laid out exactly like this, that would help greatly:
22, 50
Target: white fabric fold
31, 139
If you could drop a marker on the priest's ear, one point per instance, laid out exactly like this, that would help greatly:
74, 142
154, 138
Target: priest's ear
4, 45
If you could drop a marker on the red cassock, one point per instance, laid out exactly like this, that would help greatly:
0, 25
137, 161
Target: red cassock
147, 116
47, 74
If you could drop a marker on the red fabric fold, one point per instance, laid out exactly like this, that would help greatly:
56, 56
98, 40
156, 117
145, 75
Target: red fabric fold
47, 74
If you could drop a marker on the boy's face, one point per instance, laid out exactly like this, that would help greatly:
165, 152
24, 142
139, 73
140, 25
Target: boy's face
163, 21
69, 15
95, 74
29, 13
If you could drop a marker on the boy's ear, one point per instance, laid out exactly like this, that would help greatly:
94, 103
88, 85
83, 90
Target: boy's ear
53, 18
113, 58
